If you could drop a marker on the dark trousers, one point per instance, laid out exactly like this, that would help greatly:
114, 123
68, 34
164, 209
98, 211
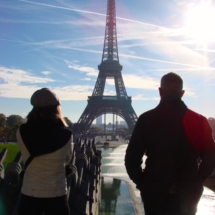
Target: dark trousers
43, 206
171, 206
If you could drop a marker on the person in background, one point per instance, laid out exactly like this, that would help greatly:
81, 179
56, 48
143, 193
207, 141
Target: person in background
47, 142
180, 153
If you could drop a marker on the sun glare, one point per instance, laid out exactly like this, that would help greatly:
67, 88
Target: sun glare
200, 23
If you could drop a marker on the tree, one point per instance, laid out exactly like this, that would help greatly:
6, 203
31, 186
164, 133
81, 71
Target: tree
2, 125
2, 132
14, 120
10, 132
3, 120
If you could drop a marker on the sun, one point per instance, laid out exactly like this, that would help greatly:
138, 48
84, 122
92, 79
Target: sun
200, 23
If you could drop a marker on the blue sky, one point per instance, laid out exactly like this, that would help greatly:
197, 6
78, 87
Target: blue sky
58, 44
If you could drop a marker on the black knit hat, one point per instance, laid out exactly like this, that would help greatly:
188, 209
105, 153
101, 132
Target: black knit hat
44, 97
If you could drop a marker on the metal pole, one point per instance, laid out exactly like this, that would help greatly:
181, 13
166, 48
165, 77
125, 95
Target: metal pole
116, 123
105, 123
113, 122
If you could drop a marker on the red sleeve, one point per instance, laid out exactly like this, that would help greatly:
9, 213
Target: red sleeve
198, 131
199, 134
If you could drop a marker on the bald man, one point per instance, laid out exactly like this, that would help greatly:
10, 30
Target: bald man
180, 153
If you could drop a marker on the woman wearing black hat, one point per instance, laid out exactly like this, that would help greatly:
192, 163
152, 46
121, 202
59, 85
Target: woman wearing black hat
46, 145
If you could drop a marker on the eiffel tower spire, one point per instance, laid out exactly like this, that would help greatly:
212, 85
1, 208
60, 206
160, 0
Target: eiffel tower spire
110, 67
110, 50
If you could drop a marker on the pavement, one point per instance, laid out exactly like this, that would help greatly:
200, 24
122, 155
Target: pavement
112, 143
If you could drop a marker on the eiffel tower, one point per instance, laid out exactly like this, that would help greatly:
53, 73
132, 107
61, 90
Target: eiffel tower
98, 104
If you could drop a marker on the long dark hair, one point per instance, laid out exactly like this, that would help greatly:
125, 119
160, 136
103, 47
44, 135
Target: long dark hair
49, 113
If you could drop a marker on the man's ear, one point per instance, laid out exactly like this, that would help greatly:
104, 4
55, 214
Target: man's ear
182, 93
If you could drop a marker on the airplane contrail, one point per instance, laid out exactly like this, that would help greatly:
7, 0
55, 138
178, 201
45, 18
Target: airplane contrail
205, 50
206, 80
163, 61
148, 59
64, 8
211, 61
90, 12
121, 55
176, 69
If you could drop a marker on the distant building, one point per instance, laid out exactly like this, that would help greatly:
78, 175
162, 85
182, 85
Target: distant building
99, 120
123, 123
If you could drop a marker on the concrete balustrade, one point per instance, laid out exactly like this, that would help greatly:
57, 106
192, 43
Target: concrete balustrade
83, 182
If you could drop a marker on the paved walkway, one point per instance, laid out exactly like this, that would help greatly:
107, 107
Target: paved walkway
108, 139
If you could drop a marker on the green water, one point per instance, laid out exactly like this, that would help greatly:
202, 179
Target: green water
115, 198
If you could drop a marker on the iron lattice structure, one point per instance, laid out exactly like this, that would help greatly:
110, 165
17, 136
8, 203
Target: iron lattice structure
98, 104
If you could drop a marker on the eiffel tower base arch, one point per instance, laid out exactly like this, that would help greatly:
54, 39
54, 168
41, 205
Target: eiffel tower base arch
99, 105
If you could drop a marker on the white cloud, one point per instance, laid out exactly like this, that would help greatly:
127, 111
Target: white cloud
46, 72
88, 70
189, 92
74, 92
86, 79
142, 97
10, 75
17, 83
109, 92
15, 90
143, 82
138, 82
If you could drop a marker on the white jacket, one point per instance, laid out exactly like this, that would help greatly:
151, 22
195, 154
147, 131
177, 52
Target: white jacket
45, 175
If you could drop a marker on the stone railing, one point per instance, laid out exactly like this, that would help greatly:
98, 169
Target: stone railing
83, 181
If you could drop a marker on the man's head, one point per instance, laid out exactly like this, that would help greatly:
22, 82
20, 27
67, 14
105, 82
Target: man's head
171, 84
